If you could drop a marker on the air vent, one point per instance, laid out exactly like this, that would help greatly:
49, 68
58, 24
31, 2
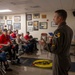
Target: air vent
26, 8
21, 2
35, 6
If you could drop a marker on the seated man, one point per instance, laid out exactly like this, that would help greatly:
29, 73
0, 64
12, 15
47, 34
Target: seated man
5, 43
31, 46
19, 42
13, 34
9, 33
34, 42
27, 36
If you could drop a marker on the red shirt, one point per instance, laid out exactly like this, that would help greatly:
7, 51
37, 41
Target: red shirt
13, 35
27, 37
4, 39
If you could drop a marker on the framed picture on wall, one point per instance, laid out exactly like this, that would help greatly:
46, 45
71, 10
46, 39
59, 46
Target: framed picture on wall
1, 27
9, 22
1, 17
2, 21
10, 27
36, 15
53, 24
1, 24
44, 16
10, 17
5, 17
29, 29
43, 25
29, 16
17, 26
30, 23
35, 25
17, 19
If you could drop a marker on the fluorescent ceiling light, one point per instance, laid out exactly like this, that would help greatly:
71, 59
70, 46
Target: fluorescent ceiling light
6, 10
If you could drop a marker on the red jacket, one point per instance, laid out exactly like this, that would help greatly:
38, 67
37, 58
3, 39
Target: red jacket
13, 35
27, 37
4, 39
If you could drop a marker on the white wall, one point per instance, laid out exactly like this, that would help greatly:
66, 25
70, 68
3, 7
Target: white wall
37, 34
70, 22
50, 29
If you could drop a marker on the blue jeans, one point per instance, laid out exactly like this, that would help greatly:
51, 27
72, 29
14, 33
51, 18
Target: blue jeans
28, 48
3, 57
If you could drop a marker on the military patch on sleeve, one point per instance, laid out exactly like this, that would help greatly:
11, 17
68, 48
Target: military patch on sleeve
53, 45
57, 35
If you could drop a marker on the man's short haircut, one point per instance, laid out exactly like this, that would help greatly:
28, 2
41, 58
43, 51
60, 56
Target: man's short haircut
28, 33
62, 13
31, 36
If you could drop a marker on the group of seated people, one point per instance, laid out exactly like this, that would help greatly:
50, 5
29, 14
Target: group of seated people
12, 42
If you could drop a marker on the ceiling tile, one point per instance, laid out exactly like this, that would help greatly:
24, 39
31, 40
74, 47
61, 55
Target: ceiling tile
67, 4
20, 6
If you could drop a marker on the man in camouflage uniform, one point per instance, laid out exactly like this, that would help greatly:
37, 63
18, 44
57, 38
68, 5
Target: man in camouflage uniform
60, 45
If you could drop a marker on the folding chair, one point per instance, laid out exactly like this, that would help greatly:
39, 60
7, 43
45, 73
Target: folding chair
2, 71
